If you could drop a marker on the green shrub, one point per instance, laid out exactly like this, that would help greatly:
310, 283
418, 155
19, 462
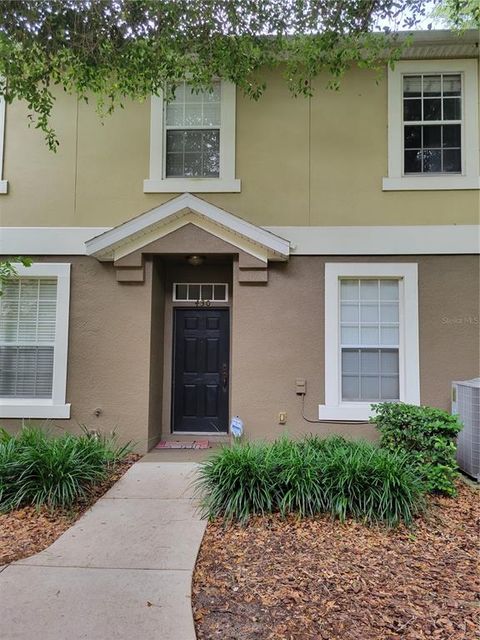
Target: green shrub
427, 434
37, 469
310, 477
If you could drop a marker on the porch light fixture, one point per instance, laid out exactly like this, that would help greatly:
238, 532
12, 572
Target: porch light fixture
195, 261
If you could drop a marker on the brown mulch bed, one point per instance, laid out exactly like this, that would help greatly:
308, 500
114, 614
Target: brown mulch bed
321, 580
26, 531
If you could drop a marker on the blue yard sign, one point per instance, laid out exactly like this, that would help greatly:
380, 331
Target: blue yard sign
236, 427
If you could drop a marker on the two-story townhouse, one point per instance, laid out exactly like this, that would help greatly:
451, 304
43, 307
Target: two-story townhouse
289, 261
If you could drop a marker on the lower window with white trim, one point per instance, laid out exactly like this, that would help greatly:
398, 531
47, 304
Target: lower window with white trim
371, 338
33, 342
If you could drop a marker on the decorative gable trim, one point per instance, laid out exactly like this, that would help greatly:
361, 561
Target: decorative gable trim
187, 208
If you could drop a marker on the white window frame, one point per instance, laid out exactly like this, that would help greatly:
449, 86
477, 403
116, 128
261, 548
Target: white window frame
3, 183
469, 178
409, 371
54, 407
226, 182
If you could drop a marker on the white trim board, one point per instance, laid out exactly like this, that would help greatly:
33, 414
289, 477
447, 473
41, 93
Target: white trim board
384, 240
46, 241
3, 183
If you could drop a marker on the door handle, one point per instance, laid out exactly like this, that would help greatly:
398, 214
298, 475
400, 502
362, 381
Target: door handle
224, 374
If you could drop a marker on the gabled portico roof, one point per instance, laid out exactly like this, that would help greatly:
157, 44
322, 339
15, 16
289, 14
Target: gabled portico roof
187, 209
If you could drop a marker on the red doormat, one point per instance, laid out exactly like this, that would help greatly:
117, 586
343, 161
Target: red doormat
176, 444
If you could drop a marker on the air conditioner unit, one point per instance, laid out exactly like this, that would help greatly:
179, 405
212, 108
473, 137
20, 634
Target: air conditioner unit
466, 404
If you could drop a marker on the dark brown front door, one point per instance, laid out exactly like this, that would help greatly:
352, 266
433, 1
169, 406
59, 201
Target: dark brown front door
200, 370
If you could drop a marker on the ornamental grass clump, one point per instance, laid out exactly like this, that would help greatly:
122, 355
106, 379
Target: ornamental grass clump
38, 469
239, 482
310, 477
428, 435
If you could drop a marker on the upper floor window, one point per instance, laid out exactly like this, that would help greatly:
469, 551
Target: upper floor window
33, 342
192, 141
192, 133
433, 125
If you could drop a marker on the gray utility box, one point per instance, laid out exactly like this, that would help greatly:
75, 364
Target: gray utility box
466, 404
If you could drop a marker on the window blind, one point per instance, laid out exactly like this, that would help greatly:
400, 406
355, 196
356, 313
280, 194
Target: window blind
28, 309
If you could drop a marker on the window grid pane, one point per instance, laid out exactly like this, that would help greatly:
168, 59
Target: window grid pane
192, 153
369, 339
432, 116
193, 291
27, 337
192, 133
370, 375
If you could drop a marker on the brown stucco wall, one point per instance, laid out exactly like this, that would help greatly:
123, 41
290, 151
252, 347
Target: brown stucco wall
120, 343
278, 335
108, 351
157, 347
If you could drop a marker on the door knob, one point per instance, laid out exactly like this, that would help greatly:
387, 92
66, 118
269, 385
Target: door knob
224, 374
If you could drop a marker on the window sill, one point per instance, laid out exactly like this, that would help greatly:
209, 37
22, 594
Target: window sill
359, 412
430, 183
192, 185
10, 408
3, 186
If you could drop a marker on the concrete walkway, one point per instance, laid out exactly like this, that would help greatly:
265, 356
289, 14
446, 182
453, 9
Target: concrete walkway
123, 571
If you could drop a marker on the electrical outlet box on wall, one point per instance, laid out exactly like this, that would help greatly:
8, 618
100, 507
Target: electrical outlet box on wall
300, 386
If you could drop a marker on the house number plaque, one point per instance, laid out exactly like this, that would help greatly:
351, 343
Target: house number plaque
202, 303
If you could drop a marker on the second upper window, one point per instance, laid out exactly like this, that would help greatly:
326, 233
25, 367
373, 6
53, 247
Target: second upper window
432, 123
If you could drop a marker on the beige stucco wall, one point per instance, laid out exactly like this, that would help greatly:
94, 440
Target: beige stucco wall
317, 161
120, 343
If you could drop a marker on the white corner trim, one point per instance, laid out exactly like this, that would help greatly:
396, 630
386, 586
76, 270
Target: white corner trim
3, 183
33, 409
393, 240
158, 183
409, 359
470, 130
55, 407
181, 205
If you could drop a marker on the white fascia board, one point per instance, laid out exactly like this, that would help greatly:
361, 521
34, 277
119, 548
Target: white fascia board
176, 206
46, 241
391, 240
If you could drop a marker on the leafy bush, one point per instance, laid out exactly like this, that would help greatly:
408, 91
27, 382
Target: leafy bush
37, 469
427, 434
309, 477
